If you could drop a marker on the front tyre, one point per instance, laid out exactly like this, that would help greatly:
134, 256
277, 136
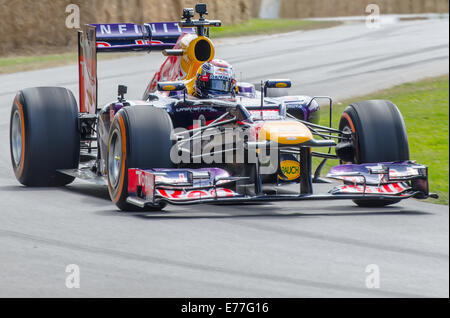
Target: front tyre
379, 135
140, 137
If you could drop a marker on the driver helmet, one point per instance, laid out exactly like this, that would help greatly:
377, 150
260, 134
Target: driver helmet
215, 78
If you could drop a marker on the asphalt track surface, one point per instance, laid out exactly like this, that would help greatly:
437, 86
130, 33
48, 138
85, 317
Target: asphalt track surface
296, 249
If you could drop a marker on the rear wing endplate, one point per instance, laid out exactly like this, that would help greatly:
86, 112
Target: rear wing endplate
87, 69
118, 37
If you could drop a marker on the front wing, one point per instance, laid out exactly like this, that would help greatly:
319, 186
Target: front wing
380, 181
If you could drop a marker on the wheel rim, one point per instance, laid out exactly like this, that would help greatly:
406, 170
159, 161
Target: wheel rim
114, 158
16, 138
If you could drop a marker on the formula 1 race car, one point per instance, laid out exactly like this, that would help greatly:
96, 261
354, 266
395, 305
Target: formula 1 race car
176, 147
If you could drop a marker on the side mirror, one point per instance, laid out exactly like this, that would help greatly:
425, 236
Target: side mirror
278, 83
171, 86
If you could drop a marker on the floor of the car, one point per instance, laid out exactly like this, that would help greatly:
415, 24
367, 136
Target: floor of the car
86, 173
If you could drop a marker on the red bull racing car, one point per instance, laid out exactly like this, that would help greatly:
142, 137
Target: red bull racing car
200, 136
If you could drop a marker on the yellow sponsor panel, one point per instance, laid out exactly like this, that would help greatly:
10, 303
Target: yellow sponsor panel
168, 88
285, 132
281, 85
290, 170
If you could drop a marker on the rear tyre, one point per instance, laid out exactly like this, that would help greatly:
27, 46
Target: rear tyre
379, 136
140, 137
44, 136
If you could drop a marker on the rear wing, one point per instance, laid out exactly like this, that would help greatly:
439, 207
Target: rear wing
128, 37
123, 37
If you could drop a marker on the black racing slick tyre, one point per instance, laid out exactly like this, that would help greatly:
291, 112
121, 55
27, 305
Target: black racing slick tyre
379, 136
140, 137
44, 136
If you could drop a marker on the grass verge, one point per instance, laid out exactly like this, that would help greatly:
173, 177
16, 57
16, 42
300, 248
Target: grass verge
269, 26
30, 63
425, 109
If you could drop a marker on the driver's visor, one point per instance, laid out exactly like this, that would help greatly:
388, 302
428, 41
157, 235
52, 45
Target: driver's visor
218, 85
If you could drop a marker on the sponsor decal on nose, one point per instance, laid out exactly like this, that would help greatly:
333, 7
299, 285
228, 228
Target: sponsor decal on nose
290, 169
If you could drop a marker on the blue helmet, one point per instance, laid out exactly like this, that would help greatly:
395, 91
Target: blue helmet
215, 78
